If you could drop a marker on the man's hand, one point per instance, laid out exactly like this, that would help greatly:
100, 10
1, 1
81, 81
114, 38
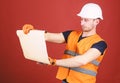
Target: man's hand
52, 61
27, 27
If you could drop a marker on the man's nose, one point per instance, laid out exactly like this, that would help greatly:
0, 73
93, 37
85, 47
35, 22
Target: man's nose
82, 22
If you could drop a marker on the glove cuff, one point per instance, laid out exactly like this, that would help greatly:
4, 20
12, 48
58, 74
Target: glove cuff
53, 62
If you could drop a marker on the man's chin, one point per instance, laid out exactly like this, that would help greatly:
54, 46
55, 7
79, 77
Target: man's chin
86, 30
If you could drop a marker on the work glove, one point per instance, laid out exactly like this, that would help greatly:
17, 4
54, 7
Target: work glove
27, 27
52, 61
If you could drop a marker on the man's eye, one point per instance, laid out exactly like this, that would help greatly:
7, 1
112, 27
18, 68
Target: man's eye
86, 20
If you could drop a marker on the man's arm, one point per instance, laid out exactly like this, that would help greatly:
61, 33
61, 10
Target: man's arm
51, 37
79, 60
54, 37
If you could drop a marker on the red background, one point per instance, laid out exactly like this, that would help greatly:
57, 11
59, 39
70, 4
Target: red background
53, 16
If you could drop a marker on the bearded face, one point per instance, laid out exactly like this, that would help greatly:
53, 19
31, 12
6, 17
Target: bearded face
88, 24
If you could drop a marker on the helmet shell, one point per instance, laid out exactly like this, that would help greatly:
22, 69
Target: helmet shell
91, 10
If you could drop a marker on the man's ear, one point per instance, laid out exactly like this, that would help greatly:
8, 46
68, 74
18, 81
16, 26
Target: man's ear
97, 21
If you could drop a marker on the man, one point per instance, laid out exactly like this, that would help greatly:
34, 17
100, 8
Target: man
84, 49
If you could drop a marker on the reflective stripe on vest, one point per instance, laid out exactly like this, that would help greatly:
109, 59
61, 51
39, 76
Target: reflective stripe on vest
95, 62
85, 71
82, 70
70, 53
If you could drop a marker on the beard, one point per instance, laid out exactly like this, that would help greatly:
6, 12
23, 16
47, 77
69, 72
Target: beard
86, 29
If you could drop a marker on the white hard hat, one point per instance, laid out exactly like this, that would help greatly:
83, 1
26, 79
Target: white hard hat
91, 10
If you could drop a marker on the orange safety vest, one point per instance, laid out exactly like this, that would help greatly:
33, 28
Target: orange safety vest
83, 74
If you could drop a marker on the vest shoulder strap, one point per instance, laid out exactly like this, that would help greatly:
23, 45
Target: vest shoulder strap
72, 40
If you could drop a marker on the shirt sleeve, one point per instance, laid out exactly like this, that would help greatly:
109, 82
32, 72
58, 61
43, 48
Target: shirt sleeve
101, 46
66, 34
